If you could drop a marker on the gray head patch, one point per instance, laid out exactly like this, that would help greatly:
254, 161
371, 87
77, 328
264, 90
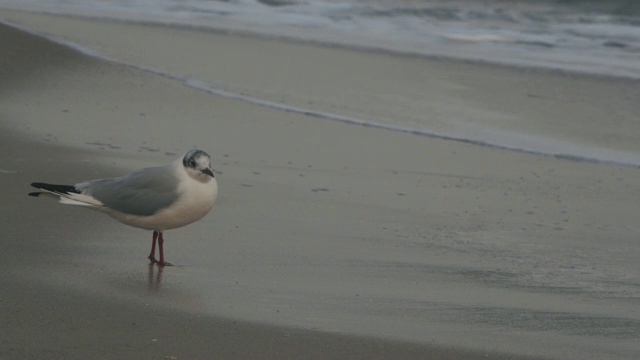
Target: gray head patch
190, 159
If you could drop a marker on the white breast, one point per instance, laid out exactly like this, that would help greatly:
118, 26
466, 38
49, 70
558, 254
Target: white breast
195, 201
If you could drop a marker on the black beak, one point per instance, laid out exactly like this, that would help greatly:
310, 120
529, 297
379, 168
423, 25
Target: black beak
208, 172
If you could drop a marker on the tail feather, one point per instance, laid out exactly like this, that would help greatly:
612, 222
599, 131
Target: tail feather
66, 194
80, 200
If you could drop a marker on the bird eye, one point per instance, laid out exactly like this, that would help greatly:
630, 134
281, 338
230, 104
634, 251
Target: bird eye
192, 162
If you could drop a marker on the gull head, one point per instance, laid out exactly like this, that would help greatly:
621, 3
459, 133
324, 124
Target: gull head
197, 163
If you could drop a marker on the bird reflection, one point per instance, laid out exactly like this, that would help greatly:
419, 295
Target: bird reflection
154, 277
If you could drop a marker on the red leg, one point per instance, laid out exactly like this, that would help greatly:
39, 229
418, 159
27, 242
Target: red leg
160, 247
152, 256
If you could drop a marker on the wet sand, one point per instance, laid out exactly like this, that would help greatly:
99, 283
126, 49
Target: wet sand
329, 240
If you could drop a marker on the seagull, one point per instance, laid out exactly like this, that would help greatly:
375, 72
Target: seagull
154, 198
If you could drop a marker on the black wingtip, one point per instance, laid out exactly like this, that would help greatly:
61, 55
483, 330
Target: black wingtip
36, 194
63, 189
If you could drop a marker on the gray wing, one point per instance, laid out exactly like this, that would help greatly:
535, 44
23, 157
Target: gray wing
143, 192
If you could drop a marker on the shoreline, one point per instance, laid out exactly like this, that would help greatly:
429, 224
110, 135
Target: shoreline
470, 117
442, 243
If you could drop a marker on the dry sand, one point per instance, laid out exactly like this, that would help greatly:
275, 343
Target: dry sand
329, 240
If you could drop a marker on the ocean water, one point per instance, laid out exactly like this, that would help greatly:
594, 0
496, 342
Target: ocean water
595, 37
589, 36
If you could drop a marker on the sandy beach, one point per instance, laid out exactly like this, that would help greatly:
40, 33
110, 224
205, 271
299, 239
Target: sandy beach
329, 239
